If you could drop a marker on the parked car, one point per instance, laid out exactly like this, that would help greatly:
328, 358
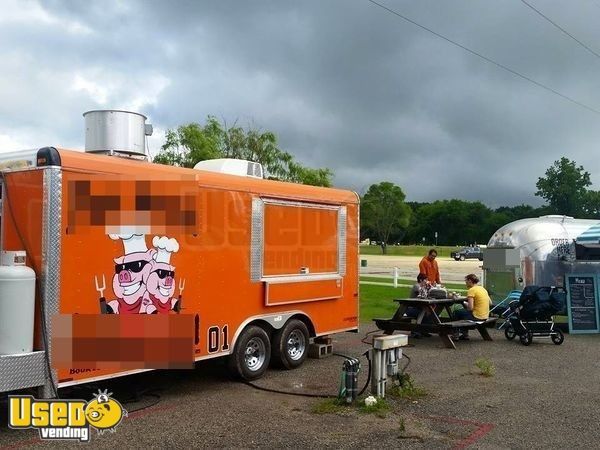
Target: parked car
467, 253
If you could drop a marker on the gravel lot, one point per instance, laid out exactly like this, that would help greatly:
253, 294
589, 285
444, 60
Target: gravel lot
542, 396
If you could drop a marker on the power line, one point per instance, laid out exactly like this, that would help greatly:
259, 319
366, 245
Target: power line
485, 58
561, 29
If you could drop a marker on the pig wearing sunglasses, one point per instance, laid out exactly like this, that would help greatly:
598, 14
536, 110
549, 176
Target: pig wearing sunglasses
131, 274
161, 279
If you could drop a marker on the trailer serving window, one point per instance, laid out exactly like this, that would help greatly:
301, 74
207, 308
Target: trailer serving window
297, 239
298, 250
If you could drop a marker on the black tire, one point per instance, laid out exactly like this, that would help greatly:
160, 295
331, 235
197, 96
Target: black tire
252, 353
480, 258
290, 345
462, 257
558, 337
456, 258
510, 333
526, 338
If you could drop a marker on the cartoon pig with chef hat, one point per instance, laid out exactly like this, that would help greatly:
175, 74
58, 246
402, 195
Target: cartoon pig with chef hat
161, 280
131, 273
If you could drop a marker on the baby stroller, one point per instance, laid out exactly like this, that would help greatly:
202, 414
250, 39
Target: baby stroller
531, 315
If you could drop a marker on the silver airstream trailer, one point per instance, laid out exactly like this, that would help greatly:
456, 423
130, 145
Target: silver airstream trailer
540, 251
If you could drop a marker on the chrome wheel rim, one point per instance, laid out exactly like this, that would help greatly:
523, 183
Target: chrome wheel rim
255, 354
296, 345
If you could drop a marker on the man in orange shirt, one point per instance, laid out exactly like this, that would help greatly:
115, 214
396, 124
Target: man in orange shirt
429, 267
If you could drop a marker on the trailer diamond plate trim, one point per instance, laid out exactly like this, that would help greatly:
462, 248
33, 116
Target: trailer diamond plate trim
257, 240
342, 214
30, 368
51, 253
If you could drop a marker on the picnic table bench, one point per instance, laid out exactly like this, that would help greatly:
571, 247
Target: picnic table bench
445, 327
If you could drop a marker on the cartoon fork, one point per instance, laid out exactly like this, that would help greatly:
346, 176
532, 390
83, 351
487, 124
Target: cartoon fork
103, 308
177, 307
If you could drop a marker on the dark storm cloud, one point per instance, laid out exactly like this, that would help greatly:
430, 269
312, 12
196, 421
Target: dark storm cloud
344, 84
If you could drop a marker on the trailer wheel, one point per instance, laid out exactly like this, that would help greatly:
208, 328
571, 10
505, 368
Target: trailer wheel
558, 337
251, 355
509, 333
462, 257
290, 345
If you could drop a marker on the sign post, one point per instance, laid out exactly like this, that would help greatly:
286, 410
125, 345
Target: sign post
582, 302
436, 238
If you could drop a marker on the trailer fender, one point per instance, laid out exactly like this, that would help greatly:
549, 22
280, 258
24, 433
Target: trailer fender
275, 321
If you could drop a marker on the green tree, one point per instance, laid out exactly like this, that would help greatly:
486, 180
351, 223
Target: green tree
592, 205
457, 222
384, 212
460, 222
191, 143
564, 187
521, 211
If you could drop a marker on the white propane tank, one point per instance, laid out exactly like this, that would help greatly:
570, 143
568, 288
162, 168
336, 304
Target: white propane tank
17, 309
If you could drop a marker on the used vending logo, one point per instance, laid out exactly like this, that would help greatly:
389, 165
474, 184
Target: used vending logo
66, 419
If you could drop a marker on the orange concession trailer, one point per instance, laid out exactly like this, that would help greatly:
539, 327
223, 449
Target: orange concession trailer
261, 266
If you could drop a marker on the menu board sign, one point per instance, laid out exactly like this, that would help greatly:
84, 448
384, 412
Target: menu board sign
583, 303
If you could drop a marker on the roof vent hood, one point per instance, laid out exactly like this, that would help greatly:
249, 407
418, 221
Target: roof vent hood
114, 132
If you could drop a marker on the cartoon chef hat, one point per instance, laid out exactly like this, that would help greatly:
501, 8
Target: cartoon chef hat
165, 247
132, 243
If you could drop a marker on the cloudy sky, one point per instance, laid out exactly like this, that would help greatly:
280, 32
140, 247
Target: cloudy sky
343, 83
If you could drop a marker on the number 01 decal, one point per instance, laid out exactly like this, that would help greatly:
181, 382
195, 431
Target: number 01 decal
218, 339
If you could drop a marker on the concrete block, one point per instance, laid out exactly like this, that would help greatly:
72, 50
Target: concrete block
319, 351
327, 340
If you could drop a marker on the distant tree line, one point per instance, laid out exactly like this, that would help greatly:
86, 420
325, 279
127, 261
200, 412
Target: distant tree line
457, 222
460, 222
565, 188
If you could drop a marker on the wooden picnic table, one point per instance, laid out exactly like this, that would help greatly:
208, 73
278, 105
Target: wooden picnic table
432, 308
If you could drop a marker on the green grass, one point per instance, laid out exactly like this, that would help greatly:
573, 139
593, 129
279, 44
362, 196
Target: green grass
378, 301
406, 250
402, 425
329, 406
379, 409
486, 367
336, 406
407, 389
